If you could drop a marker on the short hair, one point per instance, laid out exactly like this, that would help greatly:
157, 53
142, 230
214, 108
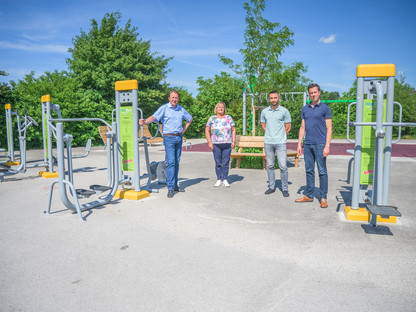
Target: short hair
220, 103
274, 91
174, 91
313, 85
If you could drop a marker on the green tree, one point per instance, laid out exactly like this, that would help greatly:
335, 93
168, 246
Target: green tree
221, 88
264, 43
328, 95
109, 53
61, 87
404, 94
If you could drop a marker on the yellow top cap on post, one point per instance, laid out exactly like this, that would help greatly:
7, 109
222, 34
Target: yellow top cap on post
8, 106
46, 98
376, 70
126, 85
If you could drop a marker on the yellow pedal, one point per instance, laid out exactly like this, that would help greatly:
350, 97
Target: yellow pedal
48, 175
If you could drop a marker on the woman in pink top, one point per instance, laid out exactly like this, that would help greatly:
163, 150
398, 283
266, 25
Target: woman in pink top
220, 134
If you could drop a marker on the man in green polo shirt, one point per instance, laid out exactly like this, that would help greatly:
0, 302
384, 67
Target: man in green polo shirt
276, 123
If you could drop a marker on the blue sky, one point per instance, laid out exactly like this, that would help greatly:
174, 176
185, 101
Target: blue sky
331, 37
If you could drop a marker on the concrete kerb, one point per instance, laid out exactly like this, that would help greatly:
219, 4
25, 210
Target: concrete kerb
208, 249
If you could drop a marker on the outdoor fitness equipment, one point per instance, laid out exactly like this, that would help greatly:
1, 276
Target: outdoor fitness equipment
373, 142
47, 132
5, 168
10, 155
122, 155
127, 118
254, 107
65, 177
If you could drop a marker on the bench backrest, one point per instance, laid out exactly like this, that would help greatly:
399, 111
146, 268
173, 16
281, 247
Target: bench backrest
249, 141
103, 130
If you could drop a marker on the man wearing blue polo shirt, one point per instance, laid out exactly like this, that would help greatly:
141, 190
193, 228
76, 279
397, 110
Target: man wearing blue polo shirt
171, 115
317, 123
276, 123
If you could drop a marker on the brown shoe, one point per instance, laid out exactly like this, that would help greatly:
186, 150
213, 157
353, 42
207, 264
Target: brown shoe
324, 203
304, 199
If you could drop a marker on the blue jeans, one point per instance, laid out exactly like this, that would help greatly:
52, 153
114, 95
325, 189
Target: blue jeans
222, 153
314, 153
173, 150
281, 151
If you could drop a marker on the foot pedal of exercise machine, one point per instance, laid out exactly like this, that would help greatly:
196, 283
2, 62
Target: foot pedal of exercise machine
99, 188
4, 168
81, 193
384, 211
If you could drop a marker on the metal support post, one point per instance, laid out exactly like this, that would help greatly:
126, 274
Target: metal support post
358, 143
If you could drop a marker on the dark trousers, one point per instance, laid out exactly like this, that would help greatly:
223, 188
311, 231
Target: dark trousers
173, 150
222, 153
314, 153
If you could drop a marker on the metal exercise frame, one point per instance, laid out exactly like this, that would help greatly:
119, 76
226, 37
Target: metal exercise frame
370, 84
66, 179
22, 128
122, 153
127, 118
9, 131
252, 95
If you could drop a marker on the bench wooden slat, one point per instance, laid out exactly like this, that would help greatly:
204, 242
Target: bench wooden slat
255, 141
103, 130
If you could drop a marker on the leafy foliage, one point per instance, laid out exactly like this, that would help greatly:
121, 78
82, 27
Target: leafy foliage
104, 55
221, 88
261, 70
27, 95
109, 53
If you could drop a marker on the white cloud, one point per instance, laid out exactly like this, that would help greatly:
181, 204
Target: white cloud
330, 39
46, 48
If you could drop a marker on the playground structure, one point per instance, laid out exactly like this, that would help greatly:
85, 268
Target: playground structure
123, 161
373, 144
255, 108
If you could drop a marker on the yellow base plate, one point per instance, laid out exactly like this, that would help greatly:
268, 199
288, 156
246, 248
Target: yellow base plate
48, 175
362, 214
12, 163
131, 194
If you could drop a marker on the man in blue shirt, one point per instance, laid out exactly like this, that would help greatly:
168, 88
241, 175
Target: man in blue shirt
171, 115
276, 123
317, 123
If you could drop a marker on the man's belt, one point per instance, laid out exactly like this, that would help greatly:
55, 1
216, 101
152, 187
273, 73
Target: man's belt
175, 134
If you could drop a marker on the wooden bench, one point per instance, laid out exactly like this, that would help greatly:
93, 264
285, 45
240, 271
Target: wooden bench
146, 132
103, 130
255, 141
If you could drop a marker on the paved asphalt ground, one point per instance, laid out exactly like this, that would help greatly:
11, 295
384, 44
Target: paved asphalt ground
208, 249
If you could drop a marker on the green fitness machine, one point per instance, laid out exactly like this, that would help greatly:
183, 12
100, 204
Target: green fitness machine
127, 119
373, 143
122, 156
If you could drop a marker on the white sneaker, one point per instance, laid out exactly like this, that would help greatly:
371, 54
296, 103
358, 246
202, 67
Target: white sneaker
225, 183
218, 183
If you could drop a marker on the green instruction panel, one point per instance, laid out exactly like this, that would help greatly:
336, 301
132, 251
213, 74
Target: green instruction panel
369, 142
45, 125
126, 138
